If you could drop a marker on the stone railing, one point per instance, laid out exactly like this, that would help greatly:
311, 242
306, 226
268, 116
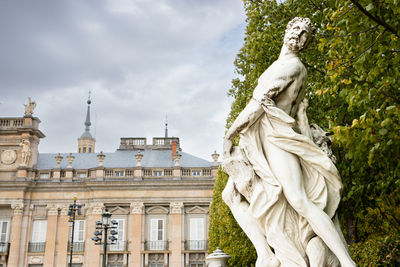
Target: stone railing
36, 246
11, 122
4, 247
156, 245
119, 245
196, 245
78, 246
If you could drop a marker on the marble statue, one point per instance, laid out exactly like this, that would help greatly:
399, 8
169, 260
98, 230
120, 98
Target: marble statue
25, 152
29, 107
283, 189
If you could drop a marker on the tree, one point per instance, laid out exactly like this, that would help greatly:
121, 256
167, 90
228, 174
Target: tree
354, 92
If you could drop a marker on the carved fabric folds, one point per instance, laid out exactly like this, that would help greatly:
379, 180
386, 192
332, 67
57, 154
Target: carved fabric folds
287, 232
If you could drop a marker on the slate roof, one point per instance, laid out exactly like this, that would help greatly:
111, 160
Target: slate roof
152, 158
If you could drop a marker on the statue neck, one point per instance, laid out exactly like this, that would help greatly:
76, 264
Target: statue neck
286, 52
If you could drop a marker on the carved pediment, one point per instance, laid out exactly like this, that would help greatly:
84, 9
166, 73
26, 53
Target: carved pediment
119, 211
157, 210
196, 210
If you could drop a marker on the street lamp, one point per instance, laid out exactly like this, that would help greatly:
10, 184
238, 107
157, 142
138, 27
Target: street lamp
73, 208
102, 228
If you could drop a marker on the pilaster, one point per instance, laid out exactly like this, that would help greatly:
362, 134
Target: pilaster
15, 238
51, 235
92, 253
137, 209
63, 237
176, 233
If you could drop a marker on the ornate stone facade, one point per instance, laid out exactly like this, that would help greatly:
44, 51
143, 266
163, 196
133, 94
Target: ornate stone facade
157, 206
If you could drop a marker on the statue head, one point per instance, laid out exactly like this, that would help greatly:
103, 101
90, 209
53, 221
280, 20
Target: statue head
299, 33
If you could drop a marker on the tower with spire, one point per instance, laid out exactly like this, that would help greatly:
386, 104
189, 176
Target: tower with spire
166, 126
86, 143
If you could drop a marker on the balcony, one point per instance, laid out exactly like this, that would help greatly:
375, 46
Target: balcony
4, 247
78, 246
156, 245
36, 246
196, 245
119, 246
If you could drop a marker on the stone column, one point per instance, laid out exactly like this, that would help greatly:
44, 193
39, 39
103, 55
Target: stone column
136, 216
51, 235
15, 237
92, 253
63, 237
176, 234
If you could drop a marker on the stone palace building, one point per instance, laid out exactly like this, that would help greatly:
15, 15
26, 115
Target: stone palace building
158, 194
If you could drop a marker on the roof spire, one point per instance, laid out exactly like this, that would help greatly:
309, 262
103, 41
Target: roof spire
166, 126
87, 122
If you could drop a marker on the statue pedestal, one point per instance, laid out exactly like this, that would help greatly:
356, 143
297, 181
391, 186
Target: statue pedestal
217, 259
21, 173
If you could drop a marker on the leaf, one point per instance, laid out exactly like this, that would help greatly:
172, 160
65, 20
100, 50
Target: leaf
383, 131
369, 7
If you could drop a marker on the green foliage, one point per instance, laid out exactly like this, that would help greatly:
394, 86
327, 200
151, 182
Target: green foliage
354, 92
377, 252
224, 231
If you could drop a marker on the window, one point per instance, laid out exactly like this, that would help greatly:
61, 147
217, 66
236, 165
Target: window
119, 173
79, 231
81, 174
84, 149
38, 239
120, 243
79, 235
44, 175
157, 234
39, 231
157, 173
4, 235
197, 264
156, 265
196, 234
196, 173
90, 150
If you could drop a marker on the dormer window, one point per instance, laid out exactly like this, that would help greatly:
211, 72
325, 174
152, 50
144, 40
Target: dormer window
119, 173
196, 173
44, 175
81, 175
157, 173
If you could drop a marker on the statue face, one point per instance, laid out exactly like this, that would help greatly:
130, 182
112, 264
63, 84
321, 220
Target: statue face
297, 37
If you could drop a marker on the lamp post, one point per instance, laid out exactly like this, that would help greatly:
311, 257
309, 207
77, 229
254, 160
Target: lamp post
101, 233
73, 208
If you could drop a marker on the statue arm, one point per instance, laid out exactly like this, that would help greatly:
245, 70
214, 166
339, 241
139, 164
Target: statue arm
302, 119
247, 117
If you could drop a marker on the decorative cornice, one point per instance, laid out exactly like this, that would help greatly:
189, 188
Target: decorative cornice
176, 207
64, 209
18, 208
96, 208
137, 208
52, 209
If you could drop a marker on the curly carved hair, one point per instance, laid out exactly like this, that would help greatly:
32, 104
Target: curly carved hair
305, 21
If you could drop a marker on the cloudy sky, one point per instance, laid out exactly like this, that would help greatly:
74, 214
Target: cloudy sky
142, 60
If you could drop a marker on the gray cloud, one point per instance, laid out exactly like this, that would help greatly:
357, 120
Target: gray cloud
141, 59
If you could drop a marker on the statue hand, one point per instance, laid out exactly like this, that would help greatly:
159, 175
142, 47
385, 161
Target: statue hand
303, 105
227, 148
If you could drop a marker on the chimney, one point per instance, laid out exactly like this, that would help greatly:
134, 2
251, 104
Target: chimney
173, 150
